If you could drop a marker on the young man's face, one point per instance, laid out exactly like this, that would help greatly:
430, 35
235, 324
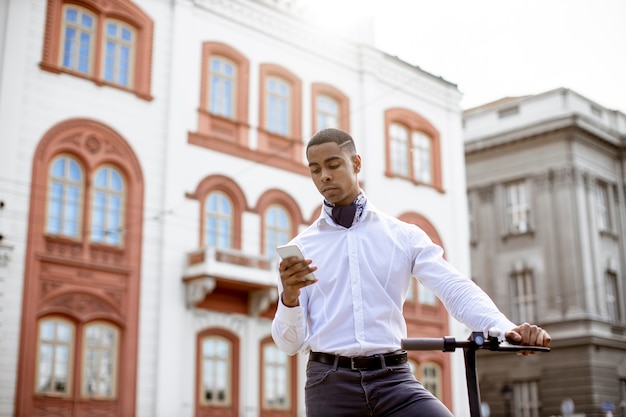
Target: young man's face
334, 172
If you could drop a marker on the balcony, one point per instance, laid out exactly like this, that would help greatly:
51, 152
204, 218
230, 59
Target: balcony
229, 281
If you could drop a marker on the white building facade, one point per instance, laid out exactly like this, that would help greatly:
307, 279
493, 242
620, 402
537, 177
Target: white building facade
152, 158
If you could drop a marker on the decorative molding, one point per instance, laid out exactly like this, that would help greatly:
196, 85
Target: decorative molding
235, 323
197, 289
260, 300
82, 304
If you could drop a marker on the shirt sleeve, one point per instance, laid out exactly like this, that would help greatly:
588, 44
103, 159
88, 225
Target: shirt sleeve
288, 328
463, 299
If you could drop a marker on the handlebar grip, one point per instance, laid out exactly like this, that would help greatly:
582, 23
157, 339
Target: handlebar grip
423, 344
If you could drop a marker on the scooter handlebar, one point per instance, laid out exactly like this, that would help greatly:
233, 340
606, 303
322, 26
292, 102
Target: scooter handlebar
423, 344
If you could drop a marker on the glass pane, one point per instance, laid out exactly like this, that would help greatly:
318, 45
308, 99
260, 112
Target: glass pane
75, 173
58, 168
111, 29
83, 58
64, 332
87, 21
71, 15
101, 178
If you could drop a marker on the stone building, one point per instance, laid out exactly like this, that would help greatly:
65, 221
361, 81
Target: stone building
546, 184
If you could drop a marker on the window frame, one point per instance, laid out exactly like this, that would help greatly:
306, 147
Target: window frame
283, 235
202, 408
518, 210
526, 401
429, 381
79, 204
219, 216
120, 10
121, 25
114, 362
613, 301
108, 192
70, 362
413, 122
286, 368
290, 144
228, 360
343, 102
80, 29
523, 305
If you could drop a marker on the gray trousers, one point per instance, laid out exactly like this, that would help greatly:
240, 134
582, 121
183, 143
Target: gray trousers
392, 391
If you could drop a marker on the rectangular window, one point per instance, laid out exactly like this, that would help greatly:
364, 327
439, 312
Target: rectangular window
222, 87
523, 297
327, 112
119, 48
473, 225
431, 378
603, 206
526, 399
612, 297
422, 157
56, 337
78, 36
100, 360
399, 137
278, 105
517, 208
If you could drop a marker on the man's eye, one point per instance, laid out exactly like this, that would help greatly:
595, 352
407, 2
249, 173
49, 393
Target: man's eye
315, 171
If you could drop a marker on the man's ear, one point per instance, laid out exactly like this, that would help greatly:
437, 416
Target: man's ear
356, 161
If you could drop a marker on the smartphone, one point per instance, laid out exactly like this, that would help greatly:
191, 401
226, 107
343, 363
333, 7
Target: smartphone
287, 251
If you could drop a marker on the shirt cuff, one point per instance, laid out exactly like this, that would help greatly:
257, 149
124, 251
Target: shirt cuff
289, 314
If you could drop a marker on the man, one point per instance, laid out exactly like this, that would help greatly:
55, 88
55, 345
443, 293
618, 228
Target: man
350, 316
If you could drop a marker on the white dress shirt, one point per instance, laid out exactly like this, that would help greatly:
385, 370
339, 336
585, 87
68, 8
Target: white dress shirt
364, 273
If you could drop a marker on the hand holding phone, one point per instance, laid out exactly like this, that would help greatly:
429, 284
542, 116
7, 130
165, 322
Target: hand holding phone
287, 251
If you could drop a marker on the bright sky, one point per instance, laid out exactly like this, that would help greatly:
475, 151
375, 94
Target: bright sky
499, 48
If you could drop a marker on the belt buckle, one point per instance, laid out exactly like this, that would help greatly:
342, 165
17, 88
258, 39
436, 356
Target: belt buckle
354, 367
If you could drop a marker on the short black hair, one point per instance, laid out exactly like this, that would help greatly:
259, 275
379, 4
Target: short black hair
341, 138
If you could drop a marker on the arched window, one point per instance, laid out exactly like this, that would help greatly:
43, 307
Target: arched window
277, 228
65, 194
327, 112
55, 356
107, 212
330, 108
413, 150
276, 374
216, 357
218, 220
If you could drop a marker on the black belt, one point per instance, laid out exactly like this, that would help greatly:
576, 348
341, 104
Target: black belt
360, 362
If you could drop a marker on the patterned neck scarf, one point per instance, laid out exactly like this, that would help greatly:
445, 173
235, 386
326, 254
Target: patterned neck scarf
346, 216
